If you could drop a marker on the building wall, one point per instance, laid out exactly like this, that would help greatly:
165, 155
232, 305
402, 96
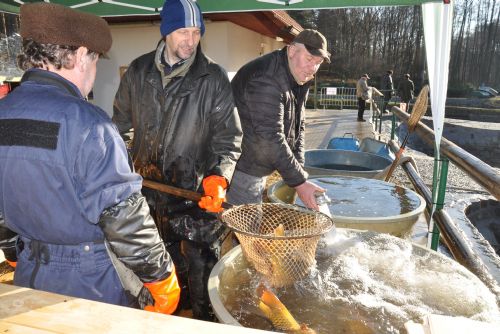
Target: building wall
226, 43
129, 42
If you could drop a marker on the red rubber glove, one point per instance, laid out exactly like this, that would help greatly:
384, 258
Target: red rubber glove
166, 294
214, 187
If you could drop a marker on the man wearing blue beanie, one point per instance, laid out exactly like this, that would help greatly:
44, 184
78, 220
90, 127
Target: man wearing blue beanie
180, 14
186, 134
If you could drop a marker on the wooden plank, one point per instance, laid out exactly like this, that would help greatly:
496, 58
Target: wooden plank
13, 328
24, 310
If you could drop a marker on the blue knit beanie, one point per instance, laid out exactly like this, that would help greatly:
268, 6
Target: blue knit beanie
178, 14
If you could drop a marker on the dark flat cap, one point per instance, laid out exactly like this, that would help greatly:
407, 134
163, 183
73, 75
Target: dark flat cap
49, 23
315, 43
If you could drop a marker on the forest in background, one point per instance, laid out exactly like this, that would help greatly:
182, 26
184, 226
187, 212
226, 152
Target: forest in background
375, 39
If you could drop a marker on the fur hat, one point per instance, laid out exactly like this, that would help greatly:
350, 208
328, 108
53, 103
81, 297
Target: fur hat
178, 14
48, 23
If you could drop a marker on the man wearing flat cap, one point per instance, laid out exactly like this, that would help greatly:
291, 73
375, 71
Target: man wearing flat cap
187, 134
270, 93
363, 94
66, 187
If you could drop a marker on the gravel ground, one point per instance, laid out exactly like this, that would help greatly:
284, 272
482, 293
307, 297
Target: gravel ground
457, 180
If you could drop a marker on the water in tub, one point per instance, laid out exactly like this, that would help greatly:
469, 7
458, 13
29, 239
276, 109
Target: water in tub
365, 282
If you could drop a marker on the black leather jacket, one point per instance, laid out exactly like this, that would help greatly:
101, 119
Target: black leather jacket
272, 110
187, 130
182, 133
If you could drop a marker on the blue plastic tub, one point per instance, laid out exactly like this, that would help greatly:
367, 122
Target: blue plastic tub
348, 143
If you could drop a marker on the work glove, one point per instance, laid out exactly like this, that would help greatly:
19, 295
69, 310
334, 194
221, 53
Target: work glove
12, 263
8, 240
10, 256
166, 294
214, 188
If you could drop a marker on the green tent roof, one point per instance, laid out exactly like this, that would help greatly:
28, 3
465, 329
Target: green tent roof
152, 7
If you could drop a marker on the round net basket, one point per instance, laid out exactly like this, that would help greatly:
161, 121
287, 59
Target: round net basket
278, 240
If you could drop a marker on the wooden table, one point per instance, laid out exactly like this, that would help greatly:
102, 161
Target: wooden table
28, 311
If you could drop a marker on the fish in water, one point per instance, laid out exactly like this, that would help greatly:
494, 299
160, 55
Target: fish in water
278, 314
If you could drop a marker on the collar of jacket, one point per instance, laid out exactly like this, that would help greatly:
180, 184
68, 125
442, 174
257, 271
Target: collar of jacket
177, 72
50, 78
196, 69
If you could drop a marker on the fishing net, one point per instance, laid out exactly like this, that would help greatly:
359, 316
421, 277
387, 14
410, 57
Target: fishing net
278, 240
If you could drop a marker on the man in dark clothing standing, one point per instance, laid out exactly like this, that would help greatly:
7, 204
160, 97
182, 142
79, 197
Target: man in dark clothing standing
187, 134
66, 186
387, 88
270, 93
406, 90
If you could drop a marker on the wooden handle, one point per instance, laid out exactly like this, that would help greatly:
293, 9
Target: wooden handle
396, 159
393, 166
188, 194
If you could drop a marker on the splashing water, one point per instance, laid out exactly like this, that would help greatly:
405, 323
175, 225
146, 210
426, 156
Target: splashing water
365, 282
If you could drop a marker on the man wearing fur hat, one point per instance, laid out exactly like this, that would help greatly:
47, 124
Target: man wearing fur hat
187, 134
66, 187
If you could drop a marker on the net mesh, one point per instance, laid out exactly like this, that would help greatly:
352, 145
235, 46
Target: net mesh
278, 240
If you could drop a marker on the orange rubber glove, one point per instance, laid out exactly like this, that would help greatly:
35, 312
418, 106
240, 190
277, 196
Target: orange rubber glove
214, 187
166, 294
13, 264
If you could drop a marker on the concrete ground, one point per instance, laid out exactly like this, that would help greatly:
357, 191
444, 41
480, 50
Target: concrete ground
323, 124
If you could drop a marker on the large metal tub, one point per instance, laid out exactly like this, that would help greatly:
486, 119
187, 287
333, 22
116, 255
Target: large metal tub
377, 147
343, 162
232, 284
363, 204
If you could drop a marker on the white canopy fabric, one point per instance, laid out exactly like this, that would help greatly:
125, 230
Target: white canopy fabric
438, 20
152, 7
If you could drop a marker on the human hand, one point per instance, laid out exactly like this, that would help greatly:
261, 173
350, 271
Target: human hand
306, 192
166, 294
214, 188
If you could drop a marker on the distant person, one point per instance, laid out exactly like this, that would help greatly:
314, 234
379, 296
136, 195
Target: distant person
66, 186
387, 88
270, 93
363, 94
406, 91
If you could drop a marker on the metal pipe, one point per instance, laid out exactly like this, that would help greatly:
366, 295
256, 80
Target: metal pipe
393, 124
441, 189
478, 170
450, 234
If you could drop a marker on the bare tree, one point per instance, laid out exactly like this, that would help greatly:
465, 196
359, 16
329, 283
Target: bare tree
374, 39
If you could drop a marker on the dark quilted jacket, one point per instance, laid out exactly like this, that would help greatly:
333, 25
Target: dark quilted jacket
271, 106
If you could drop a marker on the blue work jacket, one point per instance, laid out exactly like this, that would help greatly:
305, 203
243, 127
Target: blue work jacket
62, 162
